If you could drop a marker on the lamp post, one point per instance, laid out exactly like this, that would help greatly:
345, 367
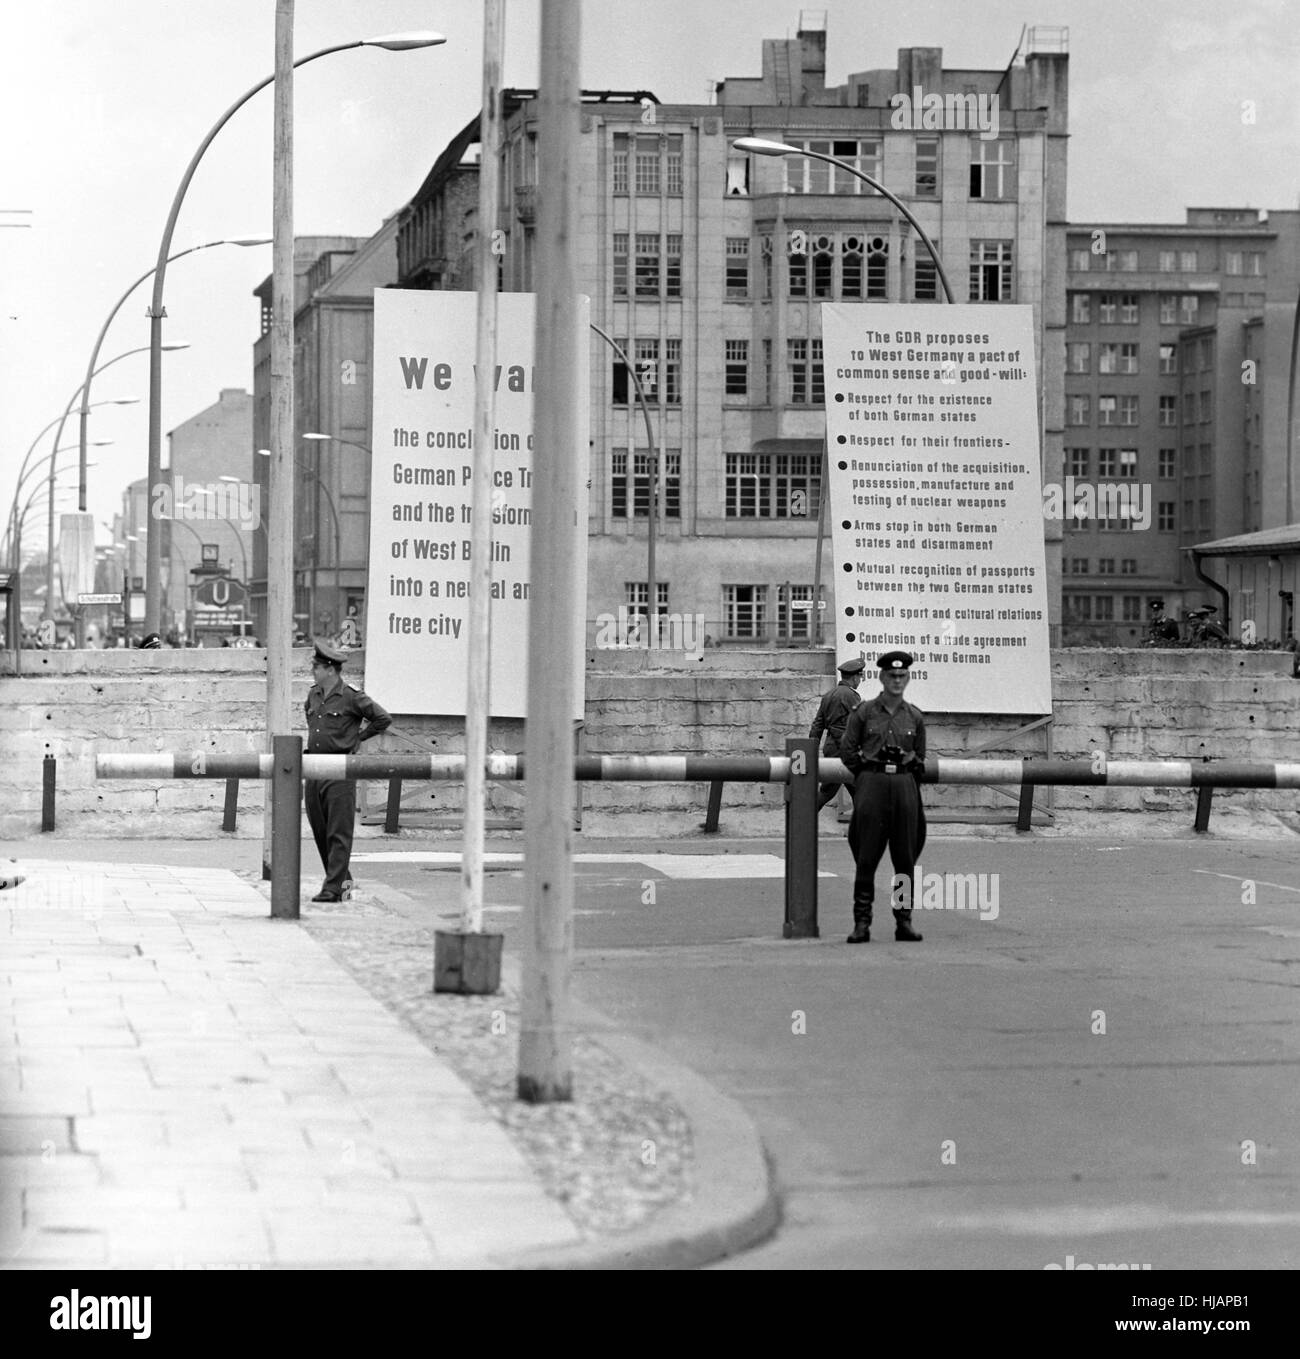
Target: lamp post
396, 42
760, 146
652, 601
140, 349
40, 462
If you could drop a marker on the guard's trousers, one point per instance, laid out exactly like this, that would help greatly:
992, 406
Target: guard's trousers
332, 813
887, 812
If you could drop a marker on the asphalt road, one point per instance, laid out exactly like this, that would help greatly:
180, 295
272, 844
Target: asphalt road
1103, 1068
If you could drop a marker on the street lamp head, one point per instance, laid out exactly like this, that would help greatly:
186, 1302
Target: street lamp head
317, 438
120, 401
404, 42
247, 240
176, 344
761, 147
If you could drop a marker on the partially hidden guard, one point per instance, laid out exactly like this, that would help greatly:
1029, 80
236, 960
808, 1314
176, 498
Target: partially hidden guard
884, 749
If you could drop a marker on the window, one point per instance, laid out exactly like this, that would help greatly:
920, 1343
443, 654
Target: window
1207, 354
1106, 309
1108, 359
737, 175
1128, 567
877, 268
804, 359
1168, 464
765, 255
1079, 608
1232, 262
1168, 309
1132, 603
1168, 412
737, 368
767, 372
992, 169
1105, 566
673, 372
1167, 261
925, 277
620, 162
1128, 309
1077, 461
1107, 407
1128, 410
1122, 261
1188, 307
1105, 608
646, 359
1255, 263
1080, 261
805, 175
1078, 356
744, 608
634, 491
990, 271
1080, 308
1189, 408
1207, 407
1127, 359
737, 266
1106, 462
646, 165
1078, 409
773, 485
927, 167
851, 268
1169, 359
1187, 261
673, 166
673, 266
620, 264
1078, 566
1128, 463
636, 594
826, 266
647, 264
1165, 516
794, 612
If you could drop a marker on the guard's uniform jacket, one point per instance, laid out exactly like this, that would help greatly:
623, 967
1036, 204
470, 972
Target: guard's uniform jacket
337, 723
887, 808
832, 714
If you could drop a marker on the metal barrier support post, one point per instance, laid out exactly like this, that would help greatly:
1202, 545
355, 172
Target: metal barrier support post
801, 840
1204, 797
48, 769
286, 826
1025, 812
715, 806
393, 811
231, 809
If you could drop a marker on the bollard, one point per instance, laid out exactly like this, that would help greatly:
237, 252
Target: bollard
1204, 797
286, 826
1025, 811
231, 809
48, 770
801, 840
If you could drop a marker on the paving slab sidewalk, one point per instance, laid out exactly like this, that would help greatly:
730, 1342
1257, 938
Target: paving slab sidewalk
188, 1083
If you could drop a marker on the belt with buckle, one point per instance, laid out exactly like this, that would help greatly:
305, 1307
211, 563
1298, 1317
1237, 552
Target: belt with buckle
879, 767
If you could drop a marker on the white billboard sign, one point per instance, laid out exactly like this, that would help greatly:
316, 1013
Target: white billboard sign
936, 498
418, 599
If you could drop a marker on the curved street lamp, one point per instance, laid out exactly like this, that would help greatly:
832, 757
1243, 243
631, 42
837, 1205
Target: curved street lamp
760, 146
394, 42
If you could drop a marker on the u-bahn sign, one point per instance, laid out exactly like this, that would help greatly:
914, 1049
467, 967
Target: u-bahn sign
220, 593
936, 492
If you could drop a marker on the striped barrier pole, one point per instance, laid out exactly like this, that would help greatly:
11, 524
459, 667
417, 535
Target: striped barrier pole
707, 768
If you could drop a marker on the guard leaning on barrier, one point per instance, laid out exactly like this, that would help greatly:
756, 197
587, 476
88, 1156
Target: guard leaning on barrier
884, 750
339, 718
832, 716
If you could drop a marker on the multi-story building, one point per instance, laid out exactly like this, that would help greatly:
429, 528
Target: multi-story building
333, 340
707, 267
1177, 350
215, 509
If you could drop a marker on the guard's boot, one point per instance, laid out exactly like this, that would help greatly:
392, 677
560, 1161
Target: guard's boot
861, 925
903, 927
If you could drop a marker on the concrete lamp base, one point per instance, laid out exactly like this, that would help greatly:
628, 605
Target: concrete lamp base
469, 964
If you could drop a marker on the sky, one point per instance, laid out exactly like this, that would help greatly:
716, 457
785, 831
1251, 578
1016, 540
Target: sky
1173, 103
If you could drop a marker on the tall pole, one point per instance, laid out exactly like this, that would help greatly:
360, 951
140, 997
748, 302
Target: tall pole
479, 700
545, 1040
279, 536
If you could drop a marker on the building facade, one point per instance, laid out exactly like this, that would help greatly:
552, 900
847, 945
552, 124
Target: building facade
707, 266
1177, 355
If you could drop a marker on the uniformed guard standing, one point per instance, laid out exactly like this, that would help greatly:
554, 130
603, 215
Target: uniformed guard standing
832, 714
884, 749
339, 718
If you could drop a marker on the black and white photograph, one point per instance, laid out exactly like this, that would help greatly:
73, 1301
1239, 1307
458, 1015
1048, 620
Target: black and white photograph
649, 637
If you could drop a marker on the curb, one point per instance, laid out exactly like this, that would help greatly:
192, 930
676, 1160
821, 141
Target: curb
735, 1203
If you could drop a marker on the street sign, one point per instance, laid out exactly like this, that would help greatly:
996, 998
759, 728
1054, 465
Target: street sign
99, 599
220, 593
